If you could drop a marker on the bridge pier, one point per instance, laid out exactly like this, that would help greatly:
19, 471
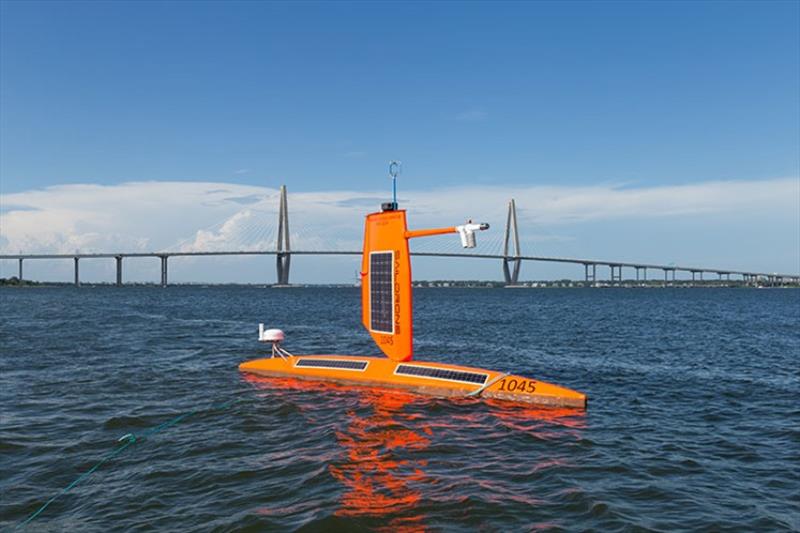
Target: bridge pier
20, 269
590, 277
283, 263
666, 274
163, 270
77, 274
511, 275
119, 270
283, 259
616, 275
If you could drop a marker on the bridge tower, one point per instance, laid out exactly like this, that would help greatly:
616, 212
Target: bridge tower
284, 256
511, 273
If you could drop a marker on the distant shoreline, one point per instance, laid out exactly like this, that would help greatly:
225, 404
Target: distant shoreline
439, 284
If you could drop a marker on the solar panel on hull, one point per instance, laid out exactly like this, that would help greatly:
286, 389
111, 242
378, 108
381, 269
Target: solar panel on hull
441, 373
381, 291
331, 363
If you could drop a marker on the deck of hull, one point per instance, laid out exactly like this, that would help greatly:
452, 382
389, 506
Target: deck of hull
436, 379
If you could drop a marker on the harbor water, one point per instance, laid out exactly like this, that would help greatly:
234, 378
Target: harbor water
693, 420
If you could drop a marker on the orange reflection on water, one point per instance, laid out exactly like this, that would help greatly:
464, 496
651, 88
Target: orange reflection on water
378, 483
377, 433
292, 383
546, 422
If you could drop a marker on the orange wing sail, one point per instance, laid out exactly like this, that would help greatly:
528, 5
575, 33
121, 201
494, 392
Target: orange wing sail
386, 307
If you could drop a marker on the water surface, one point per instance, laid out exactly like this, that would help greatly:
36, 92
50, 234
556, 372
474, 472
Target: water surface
692, 421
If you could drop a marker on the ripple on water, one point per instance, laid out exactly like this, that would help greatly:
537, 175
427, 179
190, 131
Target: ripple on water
693, 394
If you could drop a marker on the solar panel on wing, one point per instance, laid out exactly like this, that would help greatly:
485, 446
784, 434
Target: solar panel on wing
381, 293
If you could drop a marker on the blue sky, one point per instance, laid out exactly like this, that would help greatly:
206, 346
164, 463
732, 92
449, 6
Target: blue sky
321, 95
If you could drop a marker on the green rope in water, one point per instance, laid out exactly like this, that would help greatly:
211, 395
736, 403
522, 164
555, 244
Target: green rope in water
126, 440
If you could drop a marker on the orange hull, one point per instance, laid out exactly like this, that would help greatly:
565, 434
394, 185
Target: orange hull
438, 379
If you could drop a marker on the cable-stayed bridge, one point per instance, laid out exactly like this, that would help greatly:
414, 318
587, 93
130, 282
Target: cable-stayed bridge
248, 234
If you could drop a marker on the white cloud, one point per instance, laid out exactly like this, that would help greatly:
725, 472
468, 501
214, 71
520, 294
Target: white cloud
245, 228
134, 216
152, 216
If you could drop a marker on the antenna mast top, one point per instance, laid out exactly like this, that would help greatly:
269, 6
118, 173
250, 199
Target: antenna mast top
395, 168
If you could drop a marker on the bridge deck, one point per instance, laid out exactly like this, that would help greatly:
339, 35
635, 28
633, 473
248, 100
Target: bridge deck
577, 261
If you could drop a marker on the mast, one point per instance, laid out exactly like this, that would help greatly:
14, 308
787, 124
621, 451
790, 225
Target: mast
386, 295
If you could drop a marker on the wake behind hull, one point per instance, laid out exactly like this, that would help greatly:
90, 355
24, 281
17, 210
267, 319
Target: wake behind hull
437, 379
